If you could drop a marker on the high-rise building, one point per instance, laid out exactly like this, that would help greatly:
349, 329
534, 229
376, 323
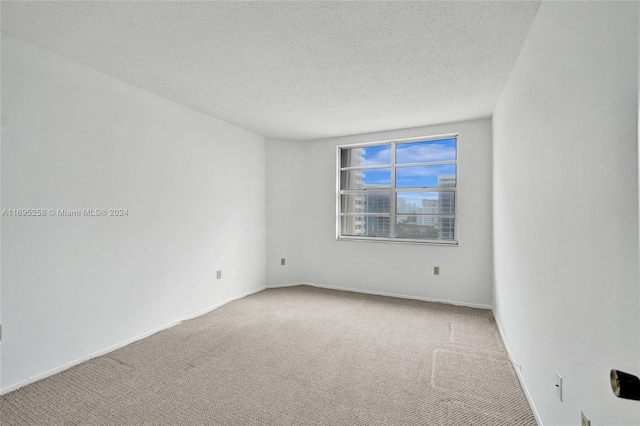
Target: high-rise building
377, 226
354, 225
428, 207
446, 206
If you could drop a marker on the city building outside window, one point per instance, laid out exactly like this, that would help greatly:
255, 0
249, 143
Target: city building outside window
400, 191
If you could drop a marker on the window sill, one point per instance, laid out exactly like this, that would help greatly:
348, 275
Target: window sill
399, 241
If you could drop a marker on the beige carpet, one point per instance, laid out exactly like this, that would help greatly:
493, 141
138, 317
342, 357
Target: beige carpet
294, 356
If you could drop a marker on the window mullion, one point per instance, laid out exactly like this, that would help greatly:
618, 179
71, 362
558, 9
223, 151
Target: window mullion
427, 189
392, 195
428, 163
376, 166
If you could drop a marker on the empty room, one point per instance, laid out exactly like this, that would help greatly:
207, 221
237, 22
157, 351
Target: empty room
319, 213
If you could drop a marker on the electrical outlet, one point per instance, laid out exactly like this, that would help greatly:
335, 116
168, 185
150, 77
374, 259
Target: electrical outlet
219, 275
585, 420
436, 270
283, 261
559, 386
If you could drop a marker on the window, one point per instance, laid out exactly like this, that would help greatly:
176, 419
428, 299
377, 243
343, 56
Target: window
401, 191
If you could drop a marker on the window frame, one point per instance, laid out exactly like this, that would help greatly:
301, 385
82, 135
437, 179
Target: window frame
393, 191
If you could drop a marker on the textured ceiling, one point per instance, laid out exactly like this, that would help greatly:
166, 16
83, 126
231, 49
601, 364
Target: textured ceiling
294, 70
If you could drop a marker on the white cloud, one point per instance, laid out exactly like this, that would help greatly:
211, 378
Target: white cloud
383, 156
425, 151
408, 172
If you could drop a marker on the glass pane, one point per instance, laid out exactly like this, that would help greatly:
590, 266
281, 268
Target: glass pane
365, 226
426, 176
361, 179
366, 203
425, 227
366, 156
447, 225
418, 152
426, 202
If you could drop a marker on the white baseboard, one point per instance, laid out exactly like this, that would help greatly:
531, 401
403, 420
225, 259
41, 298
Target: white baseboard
112, 348
517, 367
381, 293
285, 285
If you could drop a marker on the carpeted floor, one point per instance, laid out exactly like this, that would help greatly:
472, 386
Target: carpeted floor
294, 356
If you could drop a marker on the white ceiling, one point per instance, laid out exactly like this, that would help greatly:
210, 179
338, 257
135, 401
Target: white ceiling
294, 70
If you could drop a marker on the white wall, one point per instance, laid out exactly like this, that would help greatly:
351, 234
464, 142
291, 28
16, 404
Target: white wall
286, 216
566, 209
402, 269
194, 187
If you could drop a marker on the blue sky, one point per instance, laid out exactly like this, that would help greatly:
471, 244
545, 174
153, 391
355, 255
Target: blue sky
414, 152
410, 177
440, 150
